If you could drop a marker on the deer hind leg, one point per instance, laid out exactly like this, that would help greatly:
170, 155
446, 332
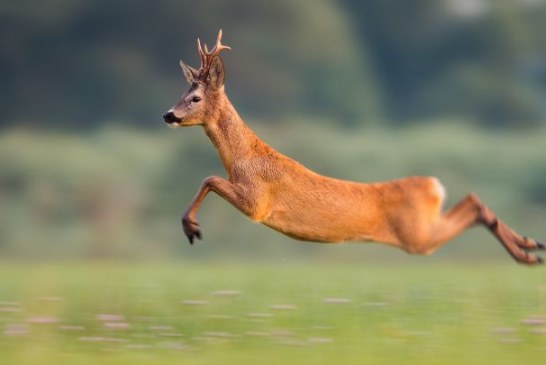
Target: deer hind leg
471, 211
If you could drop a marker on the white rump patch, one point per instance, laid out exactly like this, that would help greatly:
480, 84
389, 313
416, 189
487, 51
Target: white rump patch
439, 189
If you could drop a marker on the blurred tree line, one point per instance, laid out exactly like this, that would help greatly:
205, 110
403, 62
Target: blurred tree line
479, 59
80, 63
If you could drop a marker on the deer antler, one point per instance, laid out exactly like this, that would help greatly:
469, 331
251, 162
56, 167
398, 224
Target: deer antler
207, 57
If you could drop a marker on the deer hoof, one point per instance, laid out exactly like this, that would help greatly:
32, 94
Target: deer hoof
541, 246
191, 229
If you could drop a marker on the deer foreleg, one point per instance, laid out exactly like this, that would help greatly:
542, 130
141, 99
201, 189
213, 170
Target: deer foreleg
222, 187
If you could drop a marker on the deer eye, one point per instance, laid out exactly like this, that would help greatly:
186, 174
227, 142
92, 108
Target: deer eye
195, 99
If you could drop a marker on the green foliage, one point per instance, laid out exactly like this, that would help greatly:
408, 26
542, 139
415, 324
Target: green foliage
270, 314
121, 193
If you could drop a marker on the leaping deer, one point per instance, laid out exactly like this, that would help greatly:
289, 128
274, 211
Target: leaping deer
271, 188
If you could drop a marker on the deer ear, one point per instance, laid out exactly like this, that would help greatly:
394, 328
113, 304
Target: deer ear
190, 73
216, 73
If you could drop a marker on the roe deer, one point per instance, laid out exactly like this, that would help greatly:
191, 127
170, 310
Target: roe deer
270, 188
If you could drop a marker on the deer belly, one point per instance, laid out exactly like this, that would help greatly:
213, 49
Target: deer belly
320, 224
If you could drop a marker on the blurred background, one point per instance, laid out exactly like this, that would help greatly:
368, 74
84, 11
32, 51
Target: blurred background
363, 90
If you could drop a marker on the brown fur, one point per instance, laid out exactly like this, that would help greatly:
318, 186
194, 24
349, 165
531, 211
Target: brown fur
273, 189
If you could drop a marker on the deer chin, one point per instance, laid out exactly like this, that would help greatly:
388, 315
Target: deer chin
190, 122
175, 125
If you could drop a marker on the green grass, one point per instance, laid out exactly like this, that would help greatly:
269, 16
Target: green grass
234, 313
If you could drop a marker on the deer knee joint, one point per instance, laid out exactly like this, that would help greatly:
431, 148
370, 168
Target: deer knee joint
210, 181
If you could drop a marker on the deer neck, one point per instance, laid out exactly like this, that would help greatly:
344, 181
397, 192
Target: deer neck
231, 137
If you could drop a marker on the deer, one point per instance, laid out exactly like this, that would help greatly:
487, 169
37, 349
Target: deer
279, 192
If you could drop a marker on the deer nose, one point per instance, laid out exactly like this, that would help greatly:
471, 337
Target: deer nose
170, 118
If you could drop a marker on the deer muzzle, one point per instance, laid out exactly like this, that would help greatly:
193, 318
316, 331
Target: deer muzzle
170, 118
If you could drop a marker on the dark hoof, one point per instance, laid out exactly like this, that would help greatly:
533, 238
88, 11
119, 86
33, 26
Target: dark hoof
540, 260
541, 246
192, 236
191, 229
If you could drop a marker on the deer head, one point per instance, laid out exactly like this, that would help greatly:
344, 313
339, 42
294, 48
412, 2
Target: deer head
206, 90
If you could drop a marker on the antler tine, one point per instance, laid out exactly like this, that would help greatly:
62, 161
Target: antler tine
202, 56
219, 36
219, 47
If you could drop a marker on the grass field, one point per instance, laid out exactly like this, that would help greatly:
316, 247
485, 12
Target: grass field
232, 313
